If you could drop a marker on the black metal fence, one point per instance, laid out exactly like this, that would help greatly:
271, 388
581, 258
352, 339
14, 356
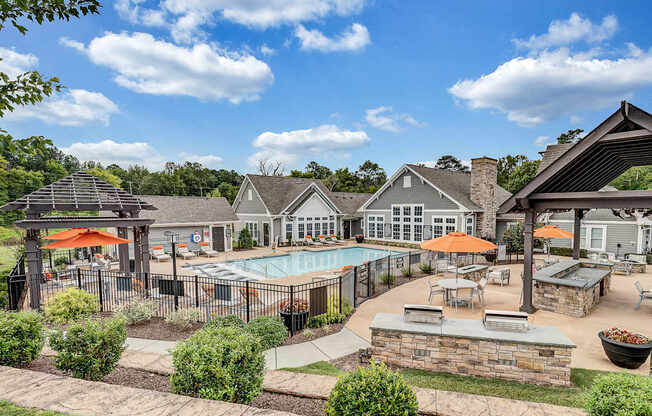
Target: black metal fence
210, 296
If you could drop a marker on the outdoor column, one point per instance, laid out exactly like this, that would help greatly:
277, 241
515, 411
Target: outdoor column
123, 249
34, 267
577, 232
138, 258
144, 242
528, 261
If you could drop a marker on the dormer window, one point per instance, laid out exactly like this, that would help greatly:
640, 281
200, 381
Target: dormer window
407, 181
249, 194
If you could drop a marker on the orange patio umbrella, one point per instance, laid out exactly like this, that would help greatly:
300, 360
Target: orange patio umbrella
64, 235
551, 231
458, 243
89, 238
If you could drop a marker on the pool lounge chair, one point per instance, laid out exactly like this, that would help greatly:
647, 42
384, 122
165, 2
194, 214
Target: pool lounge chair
311, 242
206, 250
159, 254
182, 251
323, 240
336, 240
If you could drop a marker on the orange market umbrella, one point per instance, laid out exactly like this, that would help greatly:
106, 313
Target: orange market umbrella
551, 231
64, 235
458, 243
89, 238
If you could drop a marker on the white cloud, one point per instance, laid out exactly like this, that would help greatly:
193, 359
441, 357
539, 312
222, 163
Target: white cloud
208, 161
123, 154
542, 141
71, 108
185, 18
290, 146
351, 40
266, 50
146, 65
576, 119
14, 63
556, 83
384, 119
566, 32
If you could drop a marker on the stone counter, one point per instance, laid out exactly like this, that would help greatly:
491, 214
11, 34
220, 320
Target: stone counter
571, 287
542, 355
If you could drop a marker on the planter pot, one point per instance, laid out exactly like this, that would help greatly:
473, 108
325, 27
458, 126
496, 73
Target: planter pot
300, 319
625, 355
359, 238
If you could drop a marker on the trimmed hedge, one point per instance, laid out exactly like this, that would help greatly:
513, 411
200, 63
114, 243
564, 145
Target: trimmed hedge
91, 349
71, 305
620, 394
269, 329
225, 321
567, 252
375, 390
319, 321
219, 364
21, 337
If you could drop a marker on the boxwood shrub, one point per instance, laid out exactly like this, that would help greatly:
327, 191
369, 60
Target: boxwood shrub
70, 305
319, 321
21, 337
269, 329
620, 394
219, 364
225, 321
90, 349
375, 390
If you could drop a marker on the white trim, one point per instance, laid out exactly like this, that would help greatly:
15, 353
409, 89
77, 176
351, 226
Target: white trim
450, 210
306, 201
238, 197
191, 224
596, 222
256, 215
396, 175
443, 224
226, 249
317, 190
587, 238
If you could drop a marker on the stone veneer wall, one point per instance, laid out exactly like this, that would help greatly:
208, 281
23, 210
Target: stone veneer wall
484, 172
525, 363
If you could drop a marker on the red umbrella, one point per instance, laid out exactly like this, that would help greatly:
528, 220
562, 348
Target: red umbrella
89, 238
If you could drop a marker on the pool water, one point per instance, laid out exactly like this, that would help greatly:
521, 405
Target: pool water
301, 262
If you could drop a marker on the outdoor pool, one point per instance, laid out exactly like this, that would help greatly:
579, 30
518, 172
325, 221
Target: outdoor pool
304, 261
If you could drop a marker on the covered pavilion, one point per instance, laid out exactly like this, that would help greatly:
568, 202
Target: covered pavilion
80, 192
574, 179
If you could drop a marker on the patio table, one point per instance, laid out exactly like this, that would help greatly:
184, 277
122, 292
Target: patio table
450, 285
474, 271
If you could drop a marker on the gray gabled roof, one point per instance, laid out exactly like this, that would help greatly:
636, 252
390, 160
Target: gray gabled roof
592, 215
349, 202
457, 185
188, 209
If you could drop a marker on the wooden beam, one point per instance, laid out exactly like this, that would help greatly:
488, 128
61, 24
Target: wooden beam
626, 136
80, 222
588, 200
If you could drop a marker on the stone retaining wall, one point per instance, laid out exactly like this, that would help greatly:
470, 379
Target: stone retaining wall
567, 300
525, 363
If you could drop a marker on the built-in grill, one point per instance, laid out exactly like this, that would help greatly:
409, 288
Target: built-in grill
505, 320
426, 314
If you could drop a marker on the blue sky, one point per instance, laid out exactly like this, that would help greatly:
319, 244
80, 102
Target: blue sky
228, 82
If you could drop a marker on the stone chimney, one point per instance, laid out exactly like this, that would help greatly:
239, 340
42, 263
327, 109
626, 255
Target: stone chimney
483, 193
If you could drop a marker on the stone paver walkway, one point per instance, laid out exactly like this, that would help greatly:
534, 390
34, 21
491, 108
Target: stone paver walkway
85, 398
431, 402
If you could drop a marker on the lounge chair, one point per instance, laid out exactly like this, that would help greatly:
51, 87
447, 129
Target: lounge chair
182, 251
100, 263
204, 249
159, 254
323, 240
499, 275
643, 294
336, 240
312, 242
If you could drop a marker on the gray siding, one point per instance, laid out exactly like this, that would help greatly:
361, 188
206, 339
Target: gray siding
255, 206
625, 234
502, 226
251, 218
356, 227
418, 193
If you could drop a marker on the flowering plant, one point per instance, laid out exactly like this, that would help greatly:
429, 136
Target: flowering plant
300, 305
625, 336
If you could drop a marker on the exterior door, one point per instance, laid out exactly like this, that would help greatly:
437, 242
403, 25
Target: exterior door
266, 234
218, 239
347, 230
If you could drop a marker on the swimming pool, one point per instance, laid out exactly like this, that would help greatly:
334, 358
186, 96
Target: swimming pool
299, 262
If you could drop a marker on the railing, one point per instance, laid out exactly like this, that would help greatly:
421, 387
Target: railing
16, 283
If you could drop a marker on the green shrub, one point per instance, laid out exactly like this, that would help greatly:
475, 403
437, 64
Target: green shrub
244, 239
225, 321
308, 333
270, 330
620, 394
319, 321
137, 312
71, 305
375, 390
184, 318
333, 306
219, 364
406, 271
567, 252
387, 279
90, 349
426, 268
21, 337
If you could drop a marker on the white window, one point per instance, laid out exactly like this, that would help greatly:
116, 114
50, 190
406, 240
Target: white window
418, 232
288, 231
451, 225
372, 227
302, 230
317, 229
309, 232
418, 214
396, 231
253, 230
396, 213
380, 227
407, 234
469, 225
403, 216
443, 225
407, 181
593, 238
331, 228
250, 194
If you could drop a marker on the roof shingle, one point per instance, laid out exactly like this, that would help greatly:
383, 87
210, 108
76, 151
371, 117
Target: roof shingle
188, 209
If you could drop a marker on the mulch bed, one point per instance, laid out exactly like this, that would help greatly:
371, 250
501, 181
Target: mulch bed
300, 336
348, 362
157, 328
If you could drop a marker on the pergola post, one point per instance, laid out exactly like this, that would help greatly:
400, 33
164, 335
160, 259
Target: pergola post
123, 249
138, 258
144, 242
34, 267
577, 231
528, 261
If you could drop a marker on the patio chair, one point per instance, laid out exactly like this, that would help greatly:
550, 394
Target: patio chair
460, 295
643, 294
256, 303
182, 251
159, 254
100, 263
499, 275
480, 290
622, 267
336, 240
434, 289
323, 240
206, 250
639, 258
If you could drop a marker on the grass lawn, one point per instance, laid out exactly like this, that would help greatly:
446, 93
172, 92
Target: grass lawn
9, 409
9, 233
582, 380
7, 259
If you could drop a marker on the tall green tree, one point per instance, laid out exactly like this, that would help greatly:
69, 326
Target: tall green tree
372, 176
522, 175
450, 162
571, 136
318, 171
506, 166
633, 179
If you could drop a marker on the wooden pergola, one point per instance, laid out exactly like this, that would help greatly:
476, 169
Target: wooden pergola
573, 181
80, 192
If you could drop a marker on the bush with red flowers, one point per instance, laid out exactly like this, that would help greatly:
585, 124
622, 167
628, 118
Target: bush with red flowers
625, 336
300, 305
